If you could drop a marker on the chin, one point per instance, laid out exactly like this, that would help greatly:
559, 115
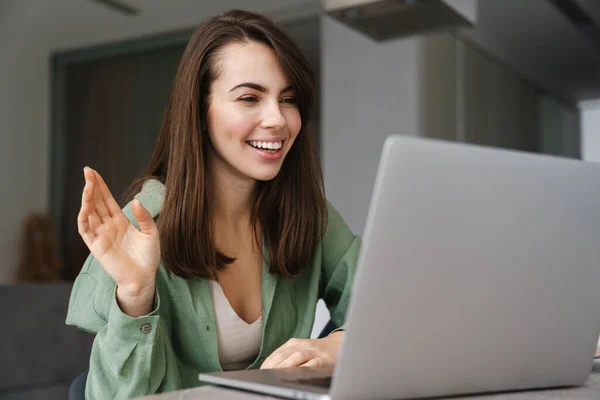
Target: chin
265, 176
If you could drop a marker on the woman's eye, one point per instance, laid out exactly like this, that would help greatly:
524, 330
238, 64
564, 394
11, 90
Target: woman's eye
249, 99
290, 100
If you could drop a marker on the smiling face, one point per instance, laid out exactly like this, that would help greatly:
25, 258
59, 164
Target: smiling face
252, 113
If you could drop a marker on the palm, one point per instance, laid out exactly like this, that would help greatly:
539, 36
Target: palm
130, 256
125, 253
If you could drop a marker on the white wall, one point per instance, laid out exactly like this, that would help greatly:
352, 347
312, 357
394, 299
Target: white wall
590, 133
23, 133
430, 85
590, 130
370, 91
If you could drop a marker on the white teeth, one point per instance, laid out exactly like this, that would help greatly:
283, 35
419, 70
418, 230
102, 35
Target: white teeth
266, 145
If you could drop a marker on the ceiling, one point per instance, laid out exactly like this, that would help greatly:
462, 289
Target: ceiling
69, 24
539, 41
592, 7
532, 36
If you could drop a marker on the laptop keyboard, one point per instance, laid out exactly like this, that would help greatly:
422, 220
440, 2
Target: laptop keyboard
324, 382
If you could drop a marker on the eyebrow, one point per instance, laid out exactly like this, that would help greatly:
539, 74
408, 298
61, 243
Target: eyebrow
259, 88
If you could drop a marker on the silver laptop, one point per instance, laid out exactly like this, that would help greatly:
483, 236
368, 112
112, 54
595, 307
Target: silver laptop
479, 273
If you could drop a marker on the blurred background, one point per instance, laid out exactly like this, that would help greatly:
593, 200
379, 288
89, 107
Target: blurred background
86, 83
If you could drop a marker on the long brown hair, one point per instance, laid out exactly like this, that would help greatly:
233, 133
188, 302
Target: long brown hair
290, 209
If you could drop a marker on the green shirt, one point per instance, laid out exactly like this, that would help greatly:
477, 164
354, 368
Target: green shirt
166, 349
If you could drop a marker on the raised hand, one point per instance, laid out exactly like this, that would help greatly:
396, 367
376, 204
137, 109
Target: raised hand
130, 256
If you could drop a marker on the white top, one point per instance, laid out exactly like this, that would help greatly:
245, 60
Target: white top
239, 342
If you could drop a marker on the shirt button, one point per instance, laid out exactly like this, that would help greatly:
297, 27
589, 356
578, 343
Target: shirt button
146, 328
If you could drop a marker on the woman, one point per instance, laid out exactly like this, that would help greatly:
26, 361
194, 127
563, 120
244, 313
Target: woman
220, 259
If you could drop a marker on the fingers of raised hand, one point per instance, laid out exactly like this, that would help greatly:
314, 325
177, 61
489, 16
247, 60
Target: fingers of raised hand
87, 209
95, 215
101, 208
110, 202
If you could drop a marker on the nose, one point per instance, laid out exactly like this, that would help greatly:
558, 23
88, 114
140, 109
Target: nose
272, 116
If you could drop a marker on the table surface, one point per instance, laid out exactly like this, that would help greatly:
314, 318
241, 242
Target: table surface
591, 390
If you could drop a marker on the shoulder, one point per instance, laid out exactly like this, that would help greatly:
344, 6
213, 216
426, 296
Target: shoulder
338, 235
336, 225
151, 196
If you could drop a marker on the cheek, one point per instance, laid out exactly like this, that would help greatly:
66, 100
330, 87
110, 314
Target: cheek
238, 128
230, 125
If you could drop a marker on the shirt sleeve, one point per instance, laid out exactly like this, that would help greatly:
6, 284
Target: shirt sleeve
339, 258
128, 355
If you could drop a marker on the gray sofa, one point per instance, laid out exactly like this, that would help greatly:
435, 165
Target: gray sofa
39, 354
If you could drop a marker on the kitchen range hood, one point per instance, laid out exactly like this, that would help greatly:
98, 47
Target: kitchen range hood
389, 19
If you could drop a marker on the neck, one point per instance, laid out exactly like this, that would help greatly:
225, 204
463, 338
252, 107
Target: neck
233, 198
